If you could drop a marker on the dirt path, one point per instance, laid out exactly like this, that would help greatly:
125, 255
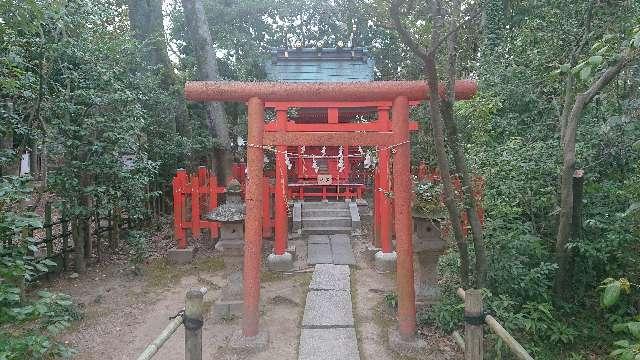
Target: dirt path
124, 312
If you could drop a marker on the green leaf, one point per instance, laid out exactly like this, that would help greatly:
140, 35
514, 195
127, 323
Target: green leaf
585, 72
595, 60
611, 294
634, 329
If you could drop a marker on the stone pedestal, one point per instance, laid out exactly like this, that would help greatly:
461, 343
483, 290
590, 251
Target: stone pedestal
427, 290
427, 246
385, 262
282, 262
180, 256
230, 303
408, 347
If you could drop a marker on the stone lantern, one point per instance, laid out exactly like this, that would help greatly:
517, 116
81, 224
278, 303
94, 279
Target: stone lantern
230, 217
428, 246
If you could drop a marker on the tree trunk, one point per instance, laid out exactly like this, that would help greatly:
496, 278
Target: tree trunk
563, 256
146, 19
459, 158
198, 28
6, 144
443, 165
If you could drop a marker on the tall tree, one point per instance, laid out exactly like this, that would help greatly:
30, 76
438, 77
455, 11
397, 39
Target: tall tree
146, 20
441, 111
569, 130
205, 53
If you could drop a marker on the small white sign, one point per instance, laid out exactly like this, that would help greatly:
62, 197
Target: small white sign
324, 180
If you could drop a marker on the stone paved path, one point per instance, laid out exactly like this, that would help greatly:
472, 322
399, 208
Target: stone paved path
328, 327
330, 249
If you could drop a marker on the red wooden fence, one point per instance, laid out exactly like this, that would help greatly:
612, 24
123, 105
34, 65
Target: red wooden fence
196, 195
423, 172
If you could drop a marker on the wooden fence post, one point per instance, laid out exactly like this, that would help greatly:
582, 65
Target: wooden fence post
48, 228
78, 245
98, 237
193, 324
64, 224
474, 320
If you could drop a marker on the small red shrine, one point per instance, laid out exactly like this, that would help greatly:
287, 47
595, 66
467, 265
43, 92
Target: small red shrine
317, 134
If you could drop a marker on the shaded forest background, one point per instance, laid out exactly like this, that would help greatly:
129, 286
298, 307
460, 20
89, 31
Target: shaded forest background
84, 83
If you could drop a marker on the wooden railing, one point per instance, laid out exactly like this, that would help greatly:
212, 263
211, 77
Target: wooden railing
475, 319
191, 317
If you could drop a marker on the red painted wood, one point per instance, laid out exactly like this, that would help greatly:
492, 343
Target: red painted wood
253, 219
335, 127
178, 203
328, 138
266, 211
403, 226
195, 205
385, 202
281, 218
342, 91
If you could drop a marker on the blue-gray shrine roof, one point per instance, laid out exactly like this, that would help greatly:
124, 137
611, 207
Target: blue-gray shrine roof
320, 65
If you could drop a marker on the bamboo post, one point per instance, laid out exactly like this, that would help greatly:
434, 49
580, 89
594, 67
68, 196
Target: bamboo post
86, 235
459, 340
64, 224
98, 237
193, 324
48, 228
474, 319
78, 245
165, 335
515, 347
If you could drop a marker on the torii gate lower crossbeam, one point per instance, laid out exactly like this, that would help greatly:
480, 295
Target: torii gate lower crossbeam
256, 94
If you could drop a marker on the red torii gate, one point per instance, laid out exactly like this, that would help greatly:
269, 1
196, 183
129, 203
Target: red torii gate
396, 94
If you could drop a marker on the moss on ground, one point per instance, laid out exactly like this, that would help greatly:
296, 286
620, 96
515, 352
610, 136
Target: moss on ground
159, 273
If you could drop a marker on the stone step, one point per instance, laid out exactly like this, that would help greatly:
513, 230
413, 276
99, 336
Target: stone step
330, 277
326, 230
328, 344
328, 308
328, 221
326, 212
325, 205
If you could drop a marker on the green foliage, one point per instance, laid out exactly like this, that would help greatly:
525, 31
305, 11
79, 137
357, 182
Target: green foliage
625, 322
391, 300
26, 325
428, 199
138, 247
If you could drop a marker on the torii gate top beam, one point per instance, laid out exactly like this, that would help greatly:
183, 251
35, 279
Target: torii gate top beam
326, 91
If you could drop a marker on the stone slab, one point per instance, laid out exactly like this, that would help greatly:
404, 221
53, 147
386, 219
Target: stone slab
341, 248
330, 277
328, 344
412, 347
319, 254
318, 239
328, 308
249, 345
180, 256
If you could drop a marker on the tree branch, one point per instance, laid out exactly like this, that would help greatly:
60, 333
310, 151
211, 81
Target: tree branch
454, 30
407, 39
609, 74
